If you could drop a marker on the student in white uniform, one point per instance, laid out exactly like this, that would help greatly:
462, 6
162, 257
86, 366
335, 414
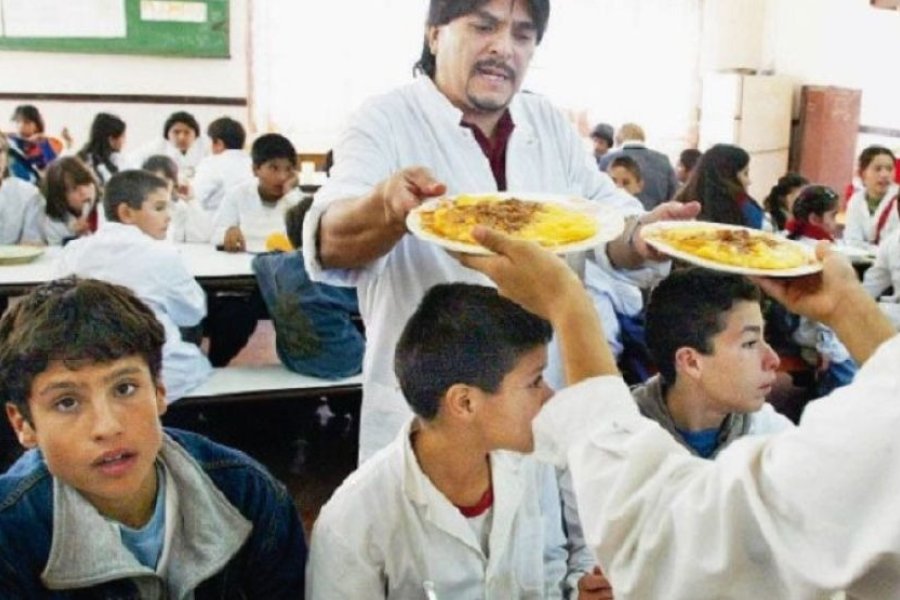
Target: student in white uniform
226, 168
452, 504
190, 223
800, 514
70, 191
104, 146
130, 250
21, 205
884, 274
871, 214
254, 210
461, 126
181, 141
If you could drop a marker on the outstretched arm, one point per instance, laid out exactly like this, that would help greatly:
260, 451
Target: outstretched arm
543, 284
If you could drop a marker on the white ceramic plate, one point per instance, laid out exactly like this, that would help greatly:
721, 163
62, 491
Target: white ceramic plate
609, 221
648, 230
16, 255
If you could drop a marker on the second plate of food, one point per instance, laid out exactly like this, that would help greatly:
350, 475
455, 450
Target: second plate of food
732, 248
560, 223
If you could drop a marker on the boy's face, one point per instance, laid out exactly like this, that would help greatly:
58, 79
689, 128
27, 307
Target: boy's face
181, 136
98, 428
506, 416
739, 373
625, 179
272, 176
153, 216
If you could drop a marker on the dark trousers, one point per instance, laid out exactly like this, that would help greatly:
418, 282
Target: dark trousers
230, 321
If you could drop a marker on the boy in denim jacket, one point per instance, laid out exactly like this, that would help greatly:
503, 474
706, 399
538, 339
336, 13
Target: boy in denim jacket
107, 503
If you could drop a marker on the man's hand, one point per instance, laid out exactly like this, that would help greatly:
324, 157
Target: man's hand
405, 190
667, 211
594, 586
836, 298
525, 273
234, 240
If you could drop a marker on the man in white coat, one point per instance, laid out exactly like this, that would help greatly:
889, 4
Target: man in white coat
452, 504
461, 126
800, 514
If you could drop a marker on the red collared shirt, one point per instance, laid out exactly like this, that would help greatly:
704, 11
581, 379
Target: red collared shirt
495, 147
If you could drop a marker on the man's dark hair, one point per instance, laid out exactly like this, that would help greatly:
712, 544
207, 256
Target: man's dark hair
184, 117
462, 333
293, 221
441, 12
688, 308
29, 112
229, 131
605, 132
77, 321
272, 146
129, 187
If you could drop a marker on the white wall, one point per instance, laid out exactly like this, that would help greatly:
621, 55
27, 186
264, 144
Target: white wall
66, 73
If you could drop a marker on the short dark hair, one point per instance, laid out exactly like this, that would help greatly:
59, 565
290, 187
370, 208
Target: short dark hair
29, 112
229, 131
627, 163
462, 333
63, 174
272, 146
688, 308
293, 221
162, 163
605, 132
183, 117
129, 187
76, 321
689, 158
441, 12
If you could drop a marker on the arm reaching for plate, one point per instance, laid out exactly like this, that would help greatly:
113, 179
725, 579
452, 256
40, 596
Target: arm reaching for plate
630, 251
544, 285
356, 231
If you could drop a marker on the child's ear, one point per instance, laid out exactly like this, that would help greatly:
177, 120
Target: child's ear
161, 405
432, 36
688, 362
125, 214
459, 401
24, 430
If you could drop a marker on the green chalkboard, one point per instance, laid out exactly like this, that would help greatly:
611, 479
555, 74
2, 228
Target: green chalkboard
168, 38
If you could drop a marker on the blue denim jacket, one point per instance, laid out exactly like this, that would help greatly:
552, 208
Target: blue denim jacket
270, 562
314, 333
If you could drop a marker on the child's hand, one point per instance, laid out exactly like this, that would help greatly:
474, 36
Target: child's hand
81, 226
292, 182
66, 137
184, 191
234, 240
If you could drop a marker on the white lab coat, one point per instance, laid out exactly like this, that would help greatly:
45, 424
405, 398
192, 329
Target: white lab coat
417, 125
190, 222
860, 226
800, 515
21, 212
218, 174
885, 271
244, 207
155, 272
187, 162
387, 530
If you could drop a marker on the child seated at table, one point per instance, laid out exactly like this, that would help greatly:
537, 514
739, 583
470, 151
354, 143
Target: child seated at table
253, 211
626, 174
130, 250
107, 503
226, 168
452, 505
70, 190
21, 206
190, 223
314, 329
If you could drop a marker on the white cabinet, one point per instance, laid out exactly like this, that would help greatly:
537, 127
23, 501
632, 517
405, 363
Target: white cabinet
753, 112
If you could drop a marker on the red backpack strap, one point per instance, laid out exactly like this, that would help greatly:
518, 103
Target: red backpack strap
884, 216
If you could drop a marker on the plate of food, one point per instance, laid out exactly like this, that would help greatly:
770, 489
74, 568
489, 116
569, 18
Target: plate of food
17, 255
562, 224
732, 248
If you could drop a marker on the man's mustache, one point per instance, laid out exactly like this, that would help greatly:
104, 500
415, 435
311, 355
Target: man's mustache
497, 66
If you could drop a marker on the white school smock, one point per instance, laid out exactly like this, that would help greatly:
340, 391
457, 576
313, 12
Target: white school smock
860, 226
801, 514
21, 212
156, 273
244, 207
885, 271
417, 125
218, 174
187, 161
387, 530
